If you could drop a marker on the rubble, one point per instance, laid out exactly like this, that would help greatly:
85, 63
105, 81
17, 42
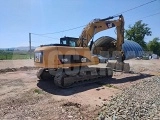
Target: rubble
141, 102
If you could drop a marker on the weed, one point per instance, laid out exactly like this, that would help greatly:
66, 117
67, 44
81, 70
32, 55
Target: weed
72, 104
111, 86
37, 91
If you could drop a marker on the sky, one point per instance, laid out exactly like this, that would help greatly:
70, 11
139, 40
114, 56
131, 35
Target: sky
21, 17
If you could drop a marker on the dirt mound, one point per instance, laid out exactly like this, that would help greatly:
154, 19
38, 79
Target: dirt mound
25, 68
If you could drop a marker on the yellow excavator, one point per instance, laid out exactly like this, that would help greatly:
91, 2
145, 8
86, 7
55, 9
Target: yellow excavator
70, 62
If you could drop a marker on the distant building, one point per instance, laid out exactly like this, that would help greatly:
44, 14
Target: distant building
104, 46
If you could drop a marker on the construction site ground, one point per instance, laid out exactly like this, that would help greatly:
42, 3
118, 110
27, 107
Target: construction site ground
24, 97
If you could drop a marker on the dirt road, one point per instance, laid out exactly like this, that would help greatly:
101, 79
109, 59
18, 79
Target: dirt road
15, 63
24, 97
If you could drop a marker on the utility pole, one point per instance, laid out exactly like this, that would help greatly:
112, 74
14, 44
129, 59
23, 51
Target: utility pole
30, 45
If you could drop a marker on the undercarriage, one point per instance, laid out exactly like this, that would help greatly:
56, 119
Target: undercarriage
69, 77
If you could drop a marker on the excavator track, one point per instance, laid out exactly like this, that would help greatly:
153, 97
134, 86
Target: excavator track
66, 78
84, 82
45, 74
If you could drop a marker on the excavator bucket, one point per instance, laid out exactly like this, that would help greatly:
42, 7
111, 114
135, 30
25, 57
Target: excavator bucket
119, 66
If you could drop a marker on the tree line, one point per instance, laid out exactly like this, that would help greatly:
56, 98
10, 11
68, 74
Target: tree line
138, 32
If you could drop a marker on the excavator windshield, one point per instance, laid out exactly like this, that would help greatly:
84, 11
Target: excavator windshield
69, 41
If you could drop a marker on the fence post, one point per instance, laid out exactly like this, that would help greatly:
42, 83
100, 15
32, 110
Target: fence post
30, 44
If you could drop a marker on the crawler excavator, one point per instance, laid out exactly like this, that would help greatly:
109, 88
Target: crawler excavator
69, 62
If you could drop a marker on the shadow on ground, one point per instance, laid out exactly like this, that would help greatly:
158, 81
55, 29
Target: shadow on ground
49, 86
129, 79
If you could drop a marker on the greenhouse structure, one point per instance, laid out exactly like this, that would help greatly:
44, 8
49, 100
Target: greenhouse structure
105, 46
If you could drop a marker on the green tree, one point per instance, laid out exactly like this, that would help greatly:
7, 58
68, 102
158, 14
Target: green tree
137, 33
154, 45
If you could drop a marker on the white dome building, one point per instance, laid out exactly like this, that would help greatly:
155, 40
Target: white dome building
104, 46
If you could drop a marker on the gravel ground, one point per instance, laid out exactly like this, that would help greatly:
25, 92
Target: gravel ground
139, 102
133, 95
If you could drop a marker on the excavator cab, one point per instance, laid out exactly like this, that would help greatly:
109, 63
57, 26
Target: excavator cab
69, 41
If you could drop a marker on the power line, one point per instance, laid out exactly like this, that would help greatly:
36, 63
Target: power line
114, 15
151, 15
58, 38
43, 36
136, 7
61, 31
42, 40
147, 16
74, 28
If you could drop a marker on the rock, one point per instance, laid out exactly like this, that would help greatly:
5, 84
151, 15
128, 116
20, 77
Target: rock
140, 101
98, 89
70, 116
104, 99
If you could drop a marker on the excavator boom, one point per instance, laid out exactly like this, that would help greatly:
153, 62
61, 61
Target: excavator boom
98, 25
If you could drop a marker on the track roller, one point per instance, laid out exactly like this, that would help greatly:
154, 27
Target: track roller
86, 74
45, 74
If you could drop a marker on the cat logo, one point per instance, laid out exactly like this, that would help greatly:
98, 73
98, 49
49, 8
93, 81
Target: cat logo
110, 25
64, 60
83, 60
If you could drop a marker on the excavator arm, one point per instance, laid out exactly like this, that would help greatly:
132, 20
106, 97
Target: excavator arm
98, 25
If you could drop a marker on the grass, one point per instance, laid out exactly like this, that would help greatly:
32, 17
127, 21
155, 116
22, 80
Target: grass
5, 55
107, 85
111, 86
38, 91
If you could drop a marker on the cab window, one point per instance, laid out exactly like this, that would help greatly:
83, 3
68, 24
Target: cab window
72, 43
